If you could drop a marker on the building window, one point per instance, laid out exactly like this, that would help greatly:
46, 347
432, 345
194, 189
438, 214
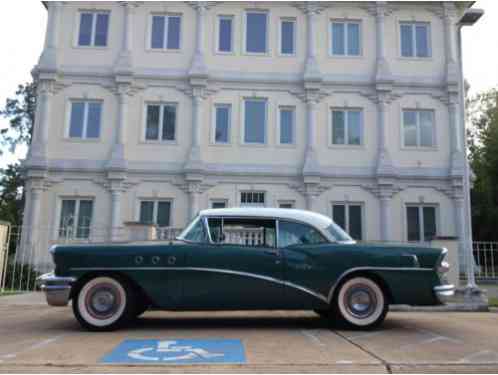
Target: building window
156, 212
347, 127
252, 198
256, 32
349, 216
225, 34
418, 128
287, 36
165, 32
94, 27
218, 203
160, 122
85, 119
286, 204
76, 218
415, 39
287, 125
222, 123
345, 38
255, 121
421, 222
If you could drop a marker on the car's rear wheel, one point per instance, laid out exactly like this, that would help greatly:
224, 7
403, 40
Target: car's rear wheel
361, 303
104, 303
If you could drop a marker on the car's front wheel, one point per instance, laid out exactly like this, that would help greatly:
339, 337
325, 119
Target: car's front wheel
361, 303
104, 303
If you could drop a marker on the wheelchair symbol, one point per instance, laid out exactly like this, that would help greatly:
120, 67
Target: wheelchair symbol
170, 351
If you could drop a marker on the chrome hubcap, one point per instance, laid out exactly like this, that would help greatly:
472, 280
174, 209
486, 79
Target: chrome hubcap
102, 301
360, 301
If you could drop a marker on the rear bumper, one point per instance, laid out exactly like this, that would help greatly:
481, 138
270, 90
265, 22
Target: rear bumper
444, 293
57, 289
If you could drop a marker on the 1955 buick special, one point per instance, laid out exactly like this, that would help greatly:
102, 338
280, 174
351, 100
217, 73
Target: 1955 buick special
246, 259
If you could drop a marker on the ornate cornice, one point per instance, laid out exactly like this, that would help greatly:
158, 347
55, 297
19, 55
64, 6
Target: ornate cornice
201, 92
311, 96
203, 5
310, 7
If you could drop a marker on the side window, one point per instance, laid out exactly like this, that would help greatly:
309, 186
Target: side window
197, 232
290, 233
246, 232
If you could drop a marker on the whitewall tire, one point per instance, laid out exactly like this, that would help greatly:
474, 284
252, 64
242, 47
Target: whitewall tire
103, 303
361, 303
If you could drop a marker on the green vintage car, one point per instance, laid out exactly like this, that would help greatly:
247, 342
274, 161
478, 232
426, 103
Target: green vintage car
246, 259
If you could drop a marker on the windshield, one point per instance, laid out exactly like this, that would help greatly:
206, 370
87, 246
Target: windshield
337, 233
195, 232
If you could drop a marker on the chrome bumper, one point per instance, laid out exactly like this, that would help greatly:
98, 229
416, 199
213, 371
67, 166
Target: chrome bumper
444, 293
57, 289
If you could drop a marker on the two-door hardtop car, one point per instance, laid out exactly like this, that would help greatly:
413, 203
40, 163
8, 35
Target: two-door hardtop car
243, 259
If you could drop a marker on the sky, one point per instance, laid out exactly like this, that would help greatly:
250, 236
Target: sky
21, 49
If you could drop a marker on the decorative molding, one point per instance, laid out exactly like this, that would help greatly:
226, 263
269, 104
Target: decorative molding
203, 5
310, 189
382, 190
310, 7
121, 184
197, 91
193, 187
379, 8
311, 96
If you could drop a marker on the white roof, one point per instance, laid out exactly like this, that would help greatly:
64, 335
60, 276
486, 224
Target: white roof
312, 218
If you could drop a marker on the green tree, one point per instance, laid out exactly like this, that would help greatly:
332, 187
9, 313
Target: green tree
20, 112
483, 157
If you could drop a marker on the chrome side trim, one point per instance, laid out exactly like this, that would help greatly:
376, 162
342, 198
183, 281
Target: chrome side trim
351, 270
216, 270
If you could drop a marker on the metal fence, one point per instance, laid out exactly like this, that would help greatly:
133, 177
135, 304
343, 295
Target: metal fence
24, 251
486, 258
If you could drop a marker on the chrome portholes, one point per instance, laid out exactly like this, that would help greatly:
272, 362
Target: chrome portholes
155, 259
139, 259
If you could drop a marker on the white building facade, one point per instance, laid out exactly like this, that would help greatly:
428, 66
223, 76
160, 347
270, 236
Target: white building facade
152, 111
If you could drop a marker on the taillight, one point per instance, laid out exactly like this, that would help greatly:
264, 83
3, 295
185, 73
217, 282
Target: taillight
443, 267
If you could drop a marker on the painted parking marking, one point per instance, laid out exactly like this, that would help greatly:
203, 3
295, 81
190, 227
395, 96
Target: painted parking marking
177, 351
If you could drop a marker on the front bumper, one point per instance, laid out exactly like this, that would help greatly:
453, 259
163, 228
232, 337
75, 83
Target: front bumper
57, 289
444, 293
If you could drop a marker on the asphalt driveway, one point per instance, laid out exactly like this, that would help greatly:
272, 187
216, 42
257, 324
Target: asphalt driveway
38, 338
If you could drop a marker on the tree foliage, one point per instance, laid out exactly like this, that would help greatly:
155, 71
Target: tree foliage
20, 112
483, 155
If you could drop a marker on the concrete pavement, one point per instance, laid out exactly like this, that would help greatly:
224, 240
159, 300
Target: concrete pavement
38, 338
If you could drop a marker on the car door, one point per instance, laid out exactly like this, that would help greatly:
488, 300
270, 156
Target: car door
305, 275
240, 269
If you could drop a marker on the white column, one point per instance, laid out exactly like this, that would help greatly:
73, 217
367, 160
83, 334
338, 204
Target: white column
460, 229
196, 120
115, 214
198, 65
311, 69
310, 201
48, 58
311, 107
450, 32
384, 162
385, 218
383, 71
38, 148
34, 220
194, 197
117, 159
125, 60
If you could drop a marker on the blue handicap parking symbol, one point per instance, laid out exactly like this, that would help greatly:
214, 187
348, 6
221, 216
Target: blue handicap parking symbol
177, 351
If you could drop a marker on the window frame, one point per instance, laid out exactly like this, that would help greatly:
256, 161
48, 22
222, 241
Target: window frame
58, 216
243, 122
267, 36
279, 125
345, 22
346, 205
94, 13
418, 146
84, 130
294, 36
161, 120
420, 207
220, 17
218, 200
215, 107
319, 231
166, 16
155, 209
265, 200
346, 143
413, 25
